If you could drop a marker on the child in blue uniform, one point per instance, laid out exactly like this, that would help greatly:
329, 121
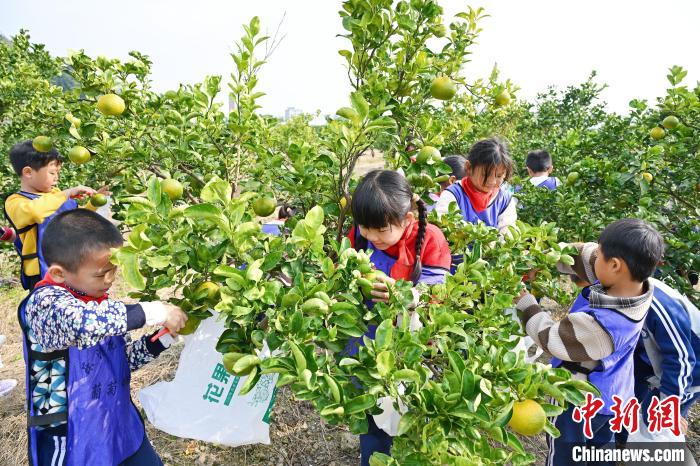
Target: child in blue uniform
539, 169
78, 361
404, 248
481, 195
665, 360
596, 340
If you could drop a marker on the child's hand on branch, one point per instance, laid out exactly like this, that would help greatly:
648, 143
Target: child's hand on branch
380, 291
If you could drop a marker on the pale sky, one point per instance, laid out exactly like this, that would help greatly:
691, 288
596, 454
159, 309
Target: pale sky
631, 43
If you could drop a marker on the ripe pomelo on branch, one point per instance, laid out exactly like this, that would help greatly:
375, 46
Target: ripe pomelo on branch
111, 105
528, 418
79, 155
264, 206
443, 88
172, 188
503, 98
42, 144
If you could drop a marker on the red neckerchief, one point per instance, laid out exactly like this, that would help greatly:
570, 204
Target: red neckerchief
81, 296
405, 252
480, 200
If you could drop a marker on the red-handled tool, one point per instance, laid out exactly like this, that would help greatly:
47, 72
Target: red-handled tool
160, 333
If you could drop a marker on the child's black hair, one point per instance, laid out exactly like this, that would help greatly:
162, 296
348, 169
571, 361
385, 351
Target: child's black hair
383, 198
71, 236
538, 161
456, 162
23, 155
491, 153
636, 242
286, 211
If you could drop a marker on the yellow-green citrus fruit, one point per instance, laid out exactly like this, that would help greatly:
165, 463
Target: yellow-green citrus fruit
42, 144
503, 98
79, 155
98, 200
657, 133
572, 178
428, 153
443, 88
670, 122
264, 206
111, 105
528, 418
212, 290
172, 188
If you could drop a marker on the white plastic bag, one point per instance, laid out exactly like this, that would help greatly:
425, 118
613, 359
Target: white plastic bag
525, 344
202, 403
389, 419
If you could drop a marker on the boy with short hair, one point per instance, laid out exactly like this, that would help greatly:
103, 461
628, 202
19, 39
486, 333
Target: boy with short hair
666, 357
38, 200
596, 340
78, 359
539, 169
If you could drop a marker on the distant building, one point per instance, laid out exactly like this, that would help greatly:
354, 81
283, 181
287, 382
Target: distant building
291, 112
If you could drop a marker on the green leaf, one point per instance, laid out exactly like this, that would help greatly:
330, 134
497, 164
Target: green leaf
407, 422
154, 193
385, 363
252, 380
216, 190
359, 104
384, 335
360, 403
315, 217
350, 114
129, 263
208, 213
348, 362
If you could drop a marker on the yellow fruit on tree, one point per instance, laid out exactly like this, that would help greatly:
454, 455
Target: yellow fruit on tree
264, 206
572, 178
79, 155
670, 122
172, 188
211, 288
657, 133
343, 202
647, 176
528, 418
503, 98
443, 88
111, 105
42, 144
428, 153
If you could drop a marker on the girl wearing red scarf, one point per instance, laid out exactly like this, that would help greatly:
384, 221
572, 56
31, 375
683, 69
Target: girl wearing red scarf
403, 247
481, 194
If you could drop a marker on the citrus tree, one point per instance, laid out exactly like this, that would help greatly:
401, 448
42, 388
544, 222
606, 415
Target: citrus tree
192, 178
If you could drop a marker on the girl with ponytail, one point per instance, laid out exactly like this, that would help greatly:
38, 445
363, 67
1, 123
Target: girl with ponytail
405, 247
